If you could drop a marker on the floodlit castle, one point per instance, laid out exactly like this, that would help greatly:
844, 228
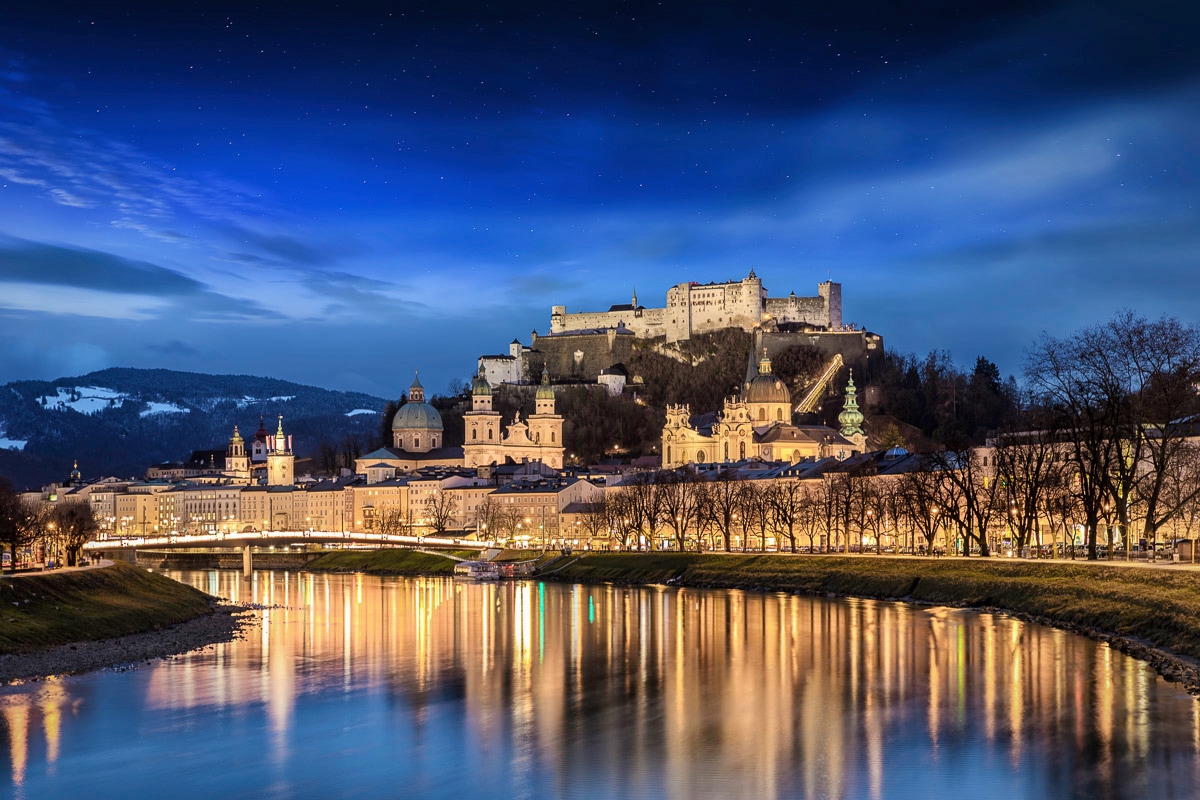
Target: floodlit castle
694, 308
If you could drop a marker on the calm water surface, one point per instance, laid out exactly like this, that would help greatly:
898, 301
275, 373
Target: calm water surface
357, 686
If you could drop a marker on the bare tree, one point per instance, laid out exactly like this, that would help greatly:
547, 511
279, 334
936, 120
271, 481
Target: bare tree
918, 496
809, 508
679, 496
390, 521
441, 510
1073, 378
967, 495
1160, 363
786, 500
74, 524
643, 505
1023, 462
596, 520
722, 501
755, 512
20, 523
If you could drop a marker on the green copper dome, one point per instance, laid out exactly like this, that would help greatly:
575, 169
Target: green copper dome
545, 391
416, 414
480, 386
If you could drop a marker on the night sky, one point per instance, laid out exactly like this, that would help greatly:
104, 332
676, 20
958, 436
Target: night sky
340, 196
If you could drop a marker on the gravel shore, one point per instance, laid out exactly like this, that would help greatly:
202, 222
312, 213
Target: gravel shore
224, 623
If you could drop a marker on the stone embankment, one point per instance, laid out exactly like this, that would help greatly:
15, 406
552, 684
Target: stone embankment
223, 624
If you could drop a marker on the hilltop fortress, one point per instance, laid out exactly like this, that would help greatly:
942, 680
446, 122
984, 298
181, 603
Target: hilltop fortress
596, 345
694, 308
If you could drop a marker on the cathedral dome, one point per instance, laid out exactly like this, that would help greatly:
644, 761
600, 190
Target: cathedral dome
416, 414
765, 387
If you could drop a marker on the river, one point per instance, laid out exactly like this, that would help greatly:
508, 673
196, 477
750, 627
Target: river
357, 686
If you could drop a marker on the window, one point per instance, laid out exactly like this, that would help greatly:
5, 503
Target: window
489, 433
742, 451
762, 414
474, 434
779, 415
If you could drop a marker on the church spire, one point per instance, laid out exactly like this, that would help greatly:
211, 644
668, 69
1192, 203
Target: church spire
851, 419
764, 363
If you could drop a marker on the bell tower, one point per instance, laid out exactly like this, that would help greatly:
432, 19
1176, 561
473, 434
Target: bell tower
280, 461
237, 461
481, 426
545, 426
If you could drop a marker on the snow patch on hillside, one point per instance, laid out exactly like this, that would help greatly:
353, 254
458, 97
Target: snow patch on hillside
83, 399
358, 411
163, 408
10, 444
247, 400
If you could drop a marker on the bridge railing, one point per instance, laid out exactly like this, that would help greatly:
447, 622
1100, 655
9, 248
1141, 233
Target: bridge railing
241, 539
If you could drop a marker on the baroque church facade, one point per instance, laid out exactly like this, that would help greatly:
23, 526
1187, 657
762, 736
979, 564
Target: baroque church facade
418, 434
757, 424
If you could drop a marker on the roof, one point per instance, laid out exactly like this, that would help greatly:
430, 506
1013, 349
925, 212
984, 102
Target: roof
817, 434
417, 416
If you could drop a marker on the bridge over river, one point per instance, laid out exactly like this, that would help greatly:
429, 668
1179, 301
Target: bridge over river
272, 544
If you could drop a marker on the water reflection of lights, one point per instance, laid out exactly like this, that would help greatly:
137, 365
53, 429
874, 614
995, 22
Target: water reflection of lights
765, 695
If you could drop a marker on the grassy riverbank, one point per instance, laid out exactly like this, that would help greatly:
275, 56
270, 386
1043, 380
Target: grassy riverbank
1157, 606
40, 611
389, 561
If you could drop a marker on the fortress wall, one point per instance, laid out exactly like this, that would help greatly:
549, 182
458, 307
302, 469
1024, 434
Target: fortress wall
646, 323
582, 356
854, 346
832, 292
811, 310
695, 308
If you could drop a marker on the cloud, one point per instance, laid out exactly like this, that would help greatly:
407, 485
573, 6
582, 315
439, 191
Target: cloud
33, 262
174, 347
93, 283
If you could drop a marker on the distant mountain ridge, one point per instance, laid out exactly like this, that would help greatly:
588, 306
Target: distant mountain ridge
119, 421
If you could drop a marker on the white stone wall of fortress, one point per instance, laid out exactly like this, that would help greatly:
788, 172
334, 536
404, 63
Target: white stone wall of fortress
647, 325
810, 310
833, 294
698, 308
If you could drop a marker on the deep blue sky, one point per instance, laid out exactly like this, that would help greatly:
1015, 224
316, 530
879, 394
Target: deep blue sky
339, 196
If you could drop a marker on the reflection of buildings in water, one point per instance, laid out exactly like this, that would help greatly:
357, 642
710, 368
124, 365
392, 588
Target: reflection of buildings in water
669, 692
21, 713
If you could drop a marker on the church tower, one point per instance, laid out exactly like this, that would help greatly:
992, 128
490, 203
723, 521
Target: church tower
280, 461
851, 419
237, 461
481, 426
545, 426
